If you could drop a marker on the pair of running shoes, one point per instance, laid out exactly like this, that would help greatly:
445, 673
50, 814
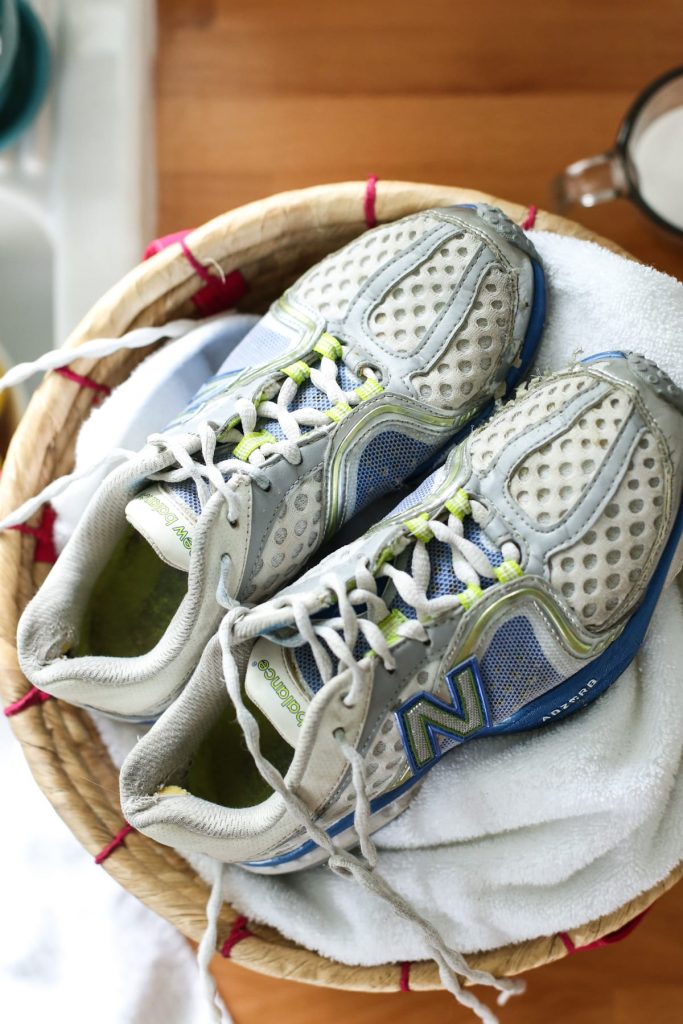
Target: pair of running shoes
508, 590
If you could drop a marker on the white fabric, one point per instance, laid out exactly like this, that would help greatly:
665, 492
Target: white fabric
74, 945
516, 837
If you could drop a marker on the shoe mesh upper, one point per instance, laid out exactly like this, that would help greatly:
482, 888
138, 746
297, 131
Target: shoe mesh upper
549, 483
599, 575
473, 355
331, 284
517, 417
404, 314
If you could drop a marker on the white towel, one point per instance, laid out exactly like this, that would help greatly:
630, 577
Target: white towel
515, 837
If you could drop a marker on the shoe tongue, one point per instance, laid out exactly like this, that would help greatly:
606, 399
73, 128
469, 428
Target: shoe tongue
274, 684
166, 523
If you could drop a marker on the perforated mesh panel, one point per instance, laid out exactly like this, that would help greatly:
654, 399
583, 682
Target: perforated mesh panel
405, 313
389, 459
468, 364
187, 493
294, 536
330, 285
420, 493
514, 668
550, 482
528, 409
604, 573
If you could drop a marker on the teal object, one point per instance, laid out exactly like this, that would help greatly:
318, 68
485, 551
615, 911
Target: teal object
25, 65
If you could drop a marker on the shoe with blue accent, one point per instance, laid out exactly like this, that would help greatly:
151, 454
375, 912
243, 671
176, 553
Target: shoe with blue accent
509, 591
356, 379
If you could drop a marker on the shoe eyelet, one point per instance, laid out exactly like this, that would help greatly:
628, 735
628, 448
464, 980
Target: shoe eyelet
375, 369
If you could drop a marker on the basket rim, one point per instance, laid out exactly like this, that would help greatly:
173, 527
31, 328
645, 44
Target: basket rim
64, 750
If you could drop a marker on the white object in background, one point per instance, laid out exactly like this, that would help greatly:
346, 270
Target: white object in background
77, 203
74, 945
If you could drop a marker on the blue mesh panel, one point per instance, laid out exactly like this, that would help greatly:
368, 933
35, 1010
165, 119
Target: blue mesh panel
419, 494
187, 492
514, 668
260, 345
308, 668
387, 461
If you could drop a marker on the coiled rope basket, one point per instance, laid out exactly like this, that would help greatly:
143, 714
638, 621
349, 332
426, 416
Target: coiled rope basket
245, 258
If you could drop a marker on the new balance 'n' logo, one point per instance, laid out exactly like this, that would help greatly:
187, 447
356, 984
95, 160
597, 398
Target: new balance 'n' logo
424, 717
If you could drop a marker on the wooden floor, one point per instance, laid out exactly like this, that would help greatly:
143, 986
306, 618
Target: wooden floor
263, 96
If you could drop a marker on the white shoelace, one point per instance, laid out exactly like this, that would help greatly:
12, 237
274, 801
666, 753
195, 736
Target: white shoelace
340, 635
206, 474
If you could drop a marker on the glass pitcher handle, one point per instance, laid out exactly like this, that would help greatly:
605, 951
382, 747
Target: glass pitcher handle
588, 182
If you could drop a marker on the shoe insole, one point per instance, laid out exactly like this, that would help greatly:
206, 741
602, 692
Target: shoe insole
223, 771
132, 602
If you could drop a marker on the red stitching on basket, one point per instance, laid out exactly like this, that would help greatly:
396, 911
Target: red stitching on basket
45, 550
607, 940
219, 293
159, 244
31, 699
84, 382
530, 218
238, 932
404, 982
114, 843
370, 200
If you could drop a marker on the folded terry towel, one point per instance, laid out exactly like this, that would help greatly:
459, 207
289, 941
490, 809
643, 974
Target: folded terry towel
515, 837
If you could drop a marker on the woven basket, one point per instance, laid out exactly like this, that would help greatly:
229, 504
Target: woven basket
259, 248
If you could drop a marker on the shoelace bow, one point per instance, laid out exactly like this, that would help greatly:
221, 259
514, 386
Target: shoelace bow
340, 635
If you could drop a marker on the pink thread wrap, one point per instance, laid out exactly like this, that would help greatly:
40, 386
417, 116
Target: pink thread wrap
530, 218
607, 940
238, 932
370, 201
31, 699
45, 550
114, 843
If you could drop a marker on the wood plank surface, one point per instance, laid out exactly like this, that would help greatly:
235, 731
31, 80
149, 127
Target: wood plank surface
259, 97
